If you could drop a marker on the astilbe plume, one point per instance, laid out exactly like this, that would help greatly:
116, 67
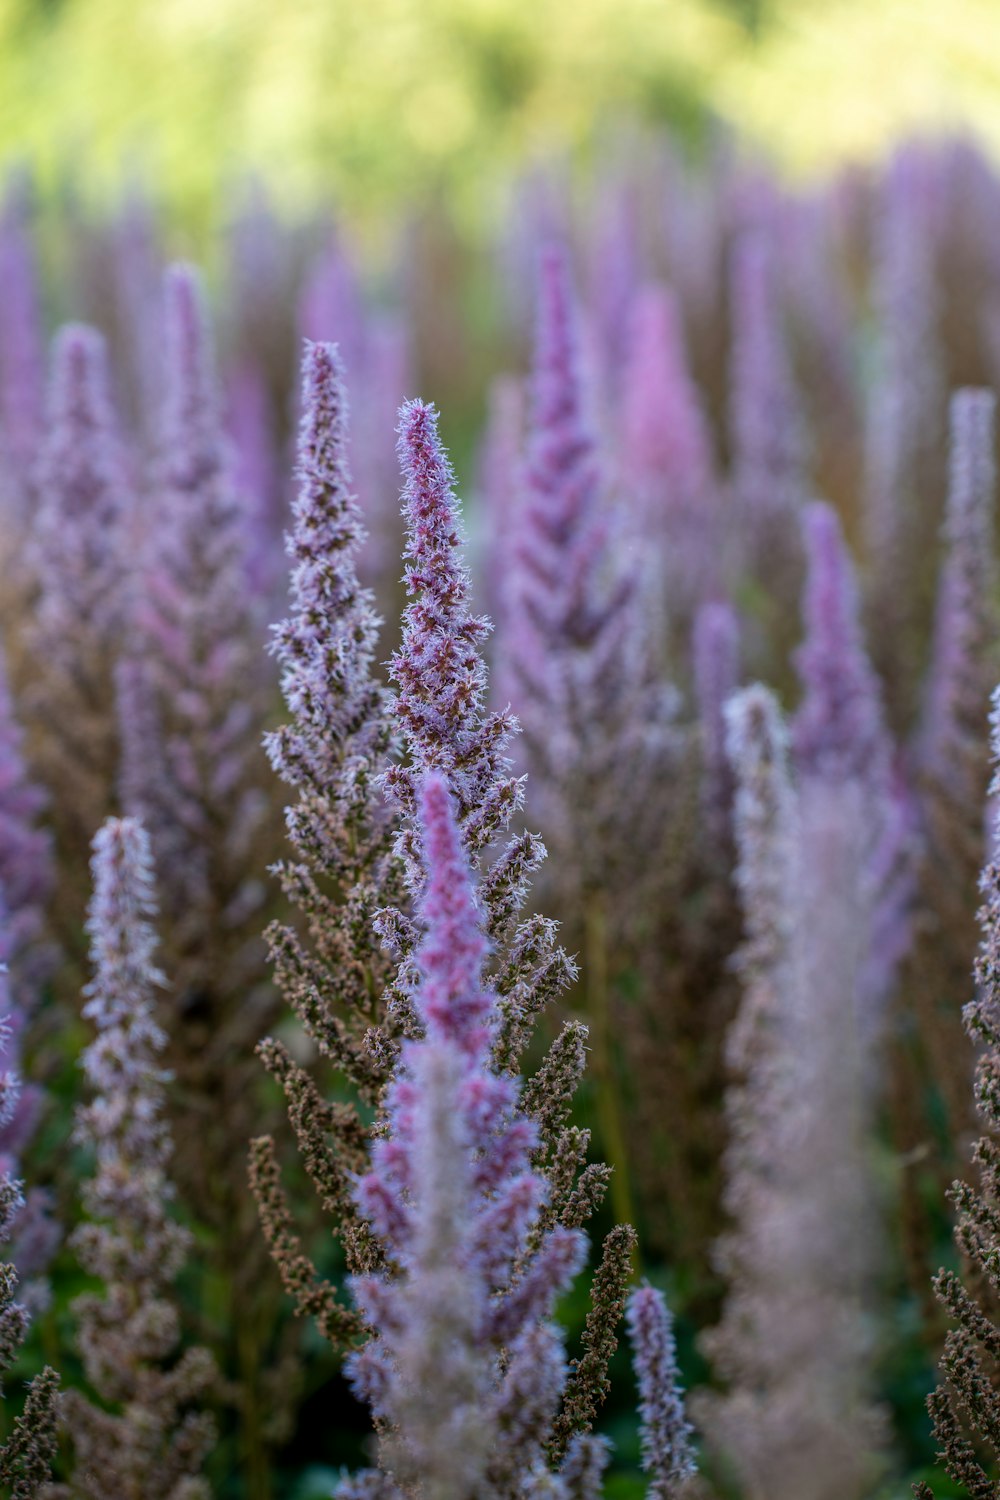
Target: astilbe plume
79, 558
342, 729
797, 1417
26, 880
665, 1434
581, 670
953, 764
574, 653
903, 440
339, 740
198, 788
769, 467
716, 667
675, 1022
464, 1369
26, 1456
839, 730
375, 353
146, 1439
21, 356
665, 452
441, 704
840, 739
193, 702
965, 1408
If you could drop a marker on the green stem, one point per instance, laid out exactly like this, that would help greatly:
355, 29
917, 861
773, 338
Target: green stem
602, 1068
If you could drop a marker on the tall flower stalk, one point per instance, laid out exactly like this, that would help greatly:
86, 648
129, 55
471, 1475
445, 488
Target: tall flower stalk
361, 864
580, 667
965, 1407
27, 1454
465, 1370
79, 554
144, 1438
193, 701
798, 1417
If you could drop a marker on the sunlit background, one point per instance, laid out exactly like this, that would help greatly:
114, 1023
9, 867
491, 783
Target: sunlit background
375, 102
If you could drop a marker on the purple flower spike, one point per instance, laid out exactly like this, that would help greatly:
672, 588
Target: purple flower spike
128, 1334
21, 344
967, 624
198, 790
80, 556
451, 1003
25, 858
839, 730
27, 1455
462, 1346
439, 672
793, 1345
327, 645
667, 1454
768, 438
665, 443
716, 653
80, 560
579, 656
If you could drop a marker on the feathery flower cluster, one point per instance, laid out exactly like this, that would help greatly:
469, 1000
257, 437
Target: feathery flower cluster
26, 877
79, 559
341, 726
576, 657
797, 1418
768, 437
199, 669
651, 517
154, 1445
667, 1455
193, 700
21, 352
465, 1367
26, 1457
952, 763
842, 749
965, 1405
666, 456
903, 441
340, 737
716, 669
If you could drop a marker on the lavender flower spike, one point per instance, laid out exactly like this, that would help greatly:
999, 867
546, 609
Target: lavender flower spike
154, 1446
768, 439
439, 672
667, 1455
716, 661
27, 1455
967, 623
964, 1409
79, 554
464, 1368
839, 730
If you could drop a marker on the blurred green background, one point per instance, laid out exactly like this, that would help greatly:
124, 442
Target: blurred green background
378, 101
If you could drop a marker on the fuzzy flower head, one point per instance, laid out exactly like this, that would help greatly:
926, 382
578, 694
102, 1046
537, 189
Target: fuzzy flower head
767, 430
967, 624
453, 1198
665, 444
839, 730
326, 646
439, 671
667, 1453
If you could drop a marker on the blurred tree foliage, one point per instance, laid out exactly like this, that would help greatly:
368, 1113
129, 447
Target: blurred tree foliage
379, 101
